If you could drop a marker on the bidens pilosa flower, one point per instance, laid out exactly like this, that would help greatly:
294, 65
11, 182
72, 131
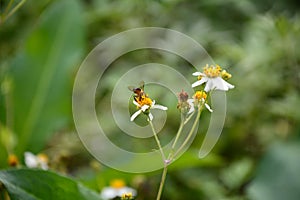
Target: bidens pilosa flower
214, 77
198, 100
144, 105
36, 161
117, 189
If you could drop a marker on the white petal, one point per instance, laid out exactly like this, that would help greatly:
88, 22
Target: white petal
135, 115
159, 107
108, 193
145, 107
136, 103
150, 116
190, 101
30, 160
220, 84
200, 82
229, 85
209, 85
44, 165
198, 74
153, 103
192, 107
208, 107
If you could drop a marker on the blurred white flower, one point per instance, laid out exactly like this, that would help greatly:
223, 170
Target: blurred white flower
36, 161
213, 77
117, 189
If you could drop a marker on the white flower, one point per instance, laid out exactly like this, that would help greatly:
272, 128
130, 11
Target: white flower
117, 189
145, 107
212, 76
39, 161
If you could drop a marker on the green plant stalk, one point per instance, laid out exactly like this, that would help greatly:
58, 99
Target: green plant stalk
183, 122
8, 7
41, 93
162, 181
190, 133
164, 174
157, 141
5, 17
177, 136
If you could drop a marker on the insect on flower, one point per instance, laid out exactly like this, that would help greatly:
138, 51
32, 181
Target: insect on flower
138, 91
143, 102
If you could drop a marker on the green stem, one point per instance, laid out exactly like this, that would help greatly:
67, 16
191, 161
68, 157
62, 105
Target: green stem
5, 17
190, 133
8, 7
157, 141
188, 119
164, 174
183, 122
162, 182
177, 135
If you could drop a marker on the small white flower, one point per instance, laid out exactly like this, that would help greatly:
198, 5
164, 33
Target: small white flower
144, 108
212, 76
33, 161
117, 189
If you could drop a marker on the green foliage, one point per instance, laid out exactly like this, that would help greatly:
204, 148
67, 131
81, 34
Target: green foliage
41, 75
28, 184
43, 43
277, 176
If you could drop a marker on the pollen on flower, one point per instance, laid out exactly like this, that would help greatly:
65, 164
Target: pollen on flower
144, 100
200, 95
43, 157
225, 75
127, 196
212, 71
117, 183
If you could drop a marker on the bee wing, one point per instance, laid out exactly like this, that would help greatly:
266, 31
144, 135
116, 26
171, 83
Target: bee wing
142, 84
131, 88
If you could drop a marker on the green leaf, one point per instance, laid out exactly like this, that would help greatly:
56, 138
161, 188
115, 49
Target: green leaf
278, 177
237, 173
30, 184
42, 75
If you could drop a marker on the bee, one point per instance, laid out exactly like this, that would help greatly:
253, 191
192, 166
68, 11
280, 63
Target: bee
139, 93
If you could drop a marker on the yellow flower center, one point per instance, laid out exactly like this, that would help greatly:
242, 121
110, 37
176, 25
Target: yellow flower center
200, 95
144, 100
225, 75
117, 183
127, 196
212, 71
13, 160
43, 157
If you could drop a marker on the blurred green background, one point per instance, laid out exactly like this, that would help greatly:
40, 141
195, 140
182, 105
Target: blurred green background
258, 155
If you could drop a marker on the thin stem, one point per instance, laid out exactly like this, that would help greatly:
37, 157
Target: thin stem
8, 7
177, 135
183, 122
5, 17
190, 133
188, 119
157, 141
162, 182
164, 174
